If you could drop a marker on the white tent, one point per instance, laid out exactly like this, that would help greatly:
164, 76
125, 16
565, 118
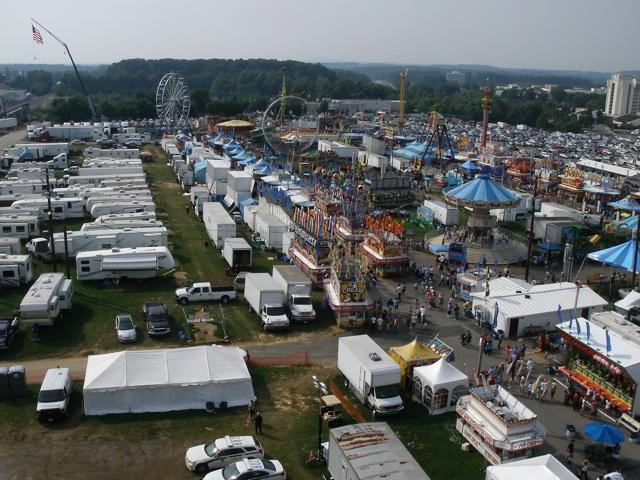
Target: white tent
546, 467
632, 299
439, 386
135, 381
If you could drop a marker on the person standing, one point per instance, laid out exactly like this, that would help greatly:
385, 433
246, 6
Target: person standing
584, 469
257, 420
252, 411
456, 312
552, 392
569, 452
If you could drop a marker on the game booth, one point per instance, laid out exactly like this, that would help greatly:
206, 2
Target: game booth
384, 249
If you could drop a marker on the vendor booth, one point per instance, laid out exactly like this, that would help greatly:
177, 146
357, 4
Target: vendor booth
603, 361
545, 467
439, 386
415, 354
195, 378
384, 249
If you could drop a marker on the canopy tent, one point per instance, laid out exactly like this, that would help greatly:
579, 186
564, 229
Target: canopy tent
411, 355
620, 256
481, 191
604, 433
235, 124
439, 386
266, 170
631, 300
545, 467
232, 145
631, 223
135, 381
247, 161
470, 166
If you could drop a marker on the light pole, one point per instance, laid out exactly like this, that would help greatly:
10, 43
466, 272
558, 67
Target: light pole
531, 234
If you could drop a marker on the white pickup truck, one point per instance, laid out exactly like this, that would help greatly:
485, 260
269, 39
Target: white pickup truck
204, 292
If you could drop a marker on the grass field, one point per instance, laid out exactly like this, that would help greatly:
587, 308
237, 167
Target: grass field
89, 327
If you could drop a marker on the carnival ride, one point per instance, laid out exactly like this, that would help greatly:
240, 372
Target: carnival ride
173, 102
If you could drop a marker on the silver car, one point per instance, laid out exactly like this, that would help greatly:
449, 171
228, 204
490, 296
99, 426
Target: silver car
125, 328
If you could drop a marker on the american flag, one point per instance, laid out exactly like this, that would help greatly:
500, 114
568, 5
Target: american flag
37, 37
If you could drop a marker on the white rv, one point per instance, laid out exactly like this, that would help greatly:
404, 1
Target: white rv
15, 270
109, 162
108, 208
48, 296
122, 224
123, 263
10, 245
31, 174
85, 193
62, 208
114, 152
8, 187
111, 169
96, 180
143, 196
118, 217
79, 241
19, 226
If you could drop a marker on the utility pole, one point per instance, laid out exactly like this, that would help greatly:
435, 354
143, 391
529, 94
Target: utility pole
50, 215
532, 220
66, 253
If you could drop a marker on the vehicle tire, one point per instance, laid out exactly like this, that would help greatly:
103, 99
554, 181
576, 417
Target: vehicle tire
202, 468
264, 326
374, 413
183, 301
225, 299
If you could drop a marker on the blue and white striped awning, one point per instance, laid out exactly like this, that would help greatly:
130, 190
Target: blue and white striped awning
482, 191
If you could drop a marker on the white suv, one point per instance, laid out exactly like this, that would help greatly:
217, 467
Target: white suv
222, 452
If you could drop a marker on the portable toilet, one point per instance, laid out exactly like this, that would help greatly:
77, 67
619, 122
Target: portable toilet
17, 381
4, 383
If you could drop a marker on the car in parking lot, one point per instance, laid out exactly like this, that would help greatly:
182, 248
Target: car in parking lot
9, 328
156, 318
249, 469
222, 452
125, 328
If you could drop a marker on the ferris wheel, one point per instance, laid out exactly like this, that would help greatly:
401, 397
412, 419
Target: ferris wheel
290, 126
173, 101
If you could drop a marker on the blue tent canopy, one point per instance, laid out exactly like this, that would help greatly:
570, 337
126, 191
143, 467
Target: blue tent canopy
482, 190
604, 433
631, 222
261, 163
620, 256
438, 248
232, 145
549, 246
470, 165
266, 170
629, 204
247, 161
242, 155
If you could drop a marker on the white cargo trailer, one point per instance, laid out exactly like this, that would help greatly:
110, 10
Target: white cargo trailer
101, 209
238, 254
145, 262
443, 213
117, 197
39, 150
111, 162
372, 375
9, 122
48, 296
271, 230
15, 270
266, 299
218, 223
8, 187
10, 245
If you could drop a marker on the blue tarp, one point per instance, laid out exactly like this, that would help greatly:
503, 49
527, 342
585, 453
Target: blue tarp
549, 246
604, 433
246, 203
482, 189
620, 256
200, 171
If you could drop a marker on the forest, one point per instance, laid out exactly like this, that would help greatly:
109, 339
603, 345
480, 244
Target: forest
228, 88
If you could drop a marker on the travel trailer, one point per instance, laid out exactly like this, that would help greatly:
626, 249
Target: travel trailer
46, 299
119, 263
101, 179
118, 217
62, 208
122, 224
108, 208
19, 226
143, 196
10, 245
15, 270
79, 241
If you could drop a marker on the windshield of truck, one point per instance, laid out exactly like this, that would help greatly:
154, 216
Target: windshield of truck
48, 396
230, 472
275, 311
302, 300
388, 391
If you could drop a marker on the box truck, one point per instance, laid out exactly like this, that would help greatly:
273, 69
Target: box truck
266, 299
370, 373
238, 253
297, 292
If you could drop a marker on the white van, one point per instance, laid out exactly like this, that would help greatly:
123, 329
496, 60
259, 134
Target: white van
55, 392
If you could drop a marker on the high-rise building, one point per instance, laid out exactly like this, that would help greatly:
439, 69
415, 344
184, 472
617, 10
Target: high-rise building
623, 95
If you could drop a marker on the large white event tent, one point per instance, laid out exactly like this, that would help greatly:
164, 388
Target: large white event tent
136, 381
545, 467
439, 386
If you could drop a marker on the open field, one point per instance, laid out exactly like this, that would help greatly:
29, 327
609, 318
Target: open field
153, 445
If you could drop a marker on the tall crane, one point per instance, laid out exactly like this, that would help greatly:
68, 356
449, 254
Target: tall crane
283, 93
403, 96
486, 105
84, 90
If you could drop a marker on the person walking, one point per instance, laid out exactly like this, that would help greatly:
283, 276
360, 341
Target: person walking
449, 307
552, 392
257, 420
456, 312
569, 451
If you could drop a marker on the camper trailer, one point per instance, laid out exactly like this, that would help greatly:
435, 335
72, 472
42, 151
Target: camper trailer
9, 187
19, 226
62, 208
48, 296
108, 208
143, 196
113, 153
100, 179
15, 270
124, 170
218, 223
118, 217
79, 241
143, 262
10, 245
122, 224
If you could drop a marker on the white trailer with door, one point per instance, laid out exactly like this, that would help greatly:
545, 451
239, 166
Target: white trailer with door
139, 196
107, 179
15, 270
118, 217
50, 294
110, 169
122, 224
218, 223
123, 153
271, 230
119, 263
443, 213
26, 187
238, 254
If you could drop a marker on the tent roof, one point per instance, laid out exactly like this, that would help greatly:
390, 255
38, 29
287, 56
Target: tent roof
440, 373
620, 256
482, 190
150, 368
545, 467
235, 124
415, 350
631, 300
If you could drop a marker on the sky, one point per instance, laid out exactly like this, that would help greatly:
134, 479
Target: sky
548, 34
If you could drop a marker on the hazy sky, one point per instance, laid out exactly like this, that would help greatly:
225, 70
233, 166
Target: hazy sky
558, 34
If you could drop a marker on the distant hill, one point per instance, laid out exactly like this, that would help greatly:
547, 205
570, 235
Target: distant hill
477, 73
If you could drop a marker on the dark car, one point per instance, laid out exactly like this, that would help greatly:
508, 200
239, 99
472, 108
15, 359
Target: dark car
9, 328
156, 317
